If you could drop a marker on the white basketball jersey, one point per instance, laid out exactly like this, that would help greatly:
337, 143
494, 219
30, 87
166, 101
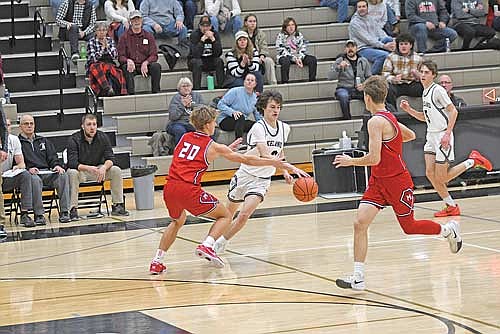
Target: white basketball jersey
274, 138
435, 100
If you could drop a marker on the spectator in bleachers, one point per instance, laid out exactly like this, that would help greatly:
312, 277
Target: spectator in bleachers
447, 83
14, 163
117, 16
379, 10
180, 109
467, 15
495, 15
292, 49
243, 58
400, 70
55, 4
373, 42
205, 52
259, 41
138, 54
104, 77
224, 14
3, 143
164, 18
91, 158
351, 70
237, 108
190, 10
342, 7
40, 158
428, 18
394, 8
76, 20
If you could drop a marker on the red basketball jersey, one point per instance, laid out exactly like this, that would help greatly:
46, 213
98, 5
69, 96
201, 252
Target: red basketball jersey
190, 158
391, 155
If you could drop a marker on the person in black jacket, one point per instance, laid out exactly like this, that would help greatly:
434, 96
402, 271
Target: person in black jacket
42, 162
204, 56
91, 158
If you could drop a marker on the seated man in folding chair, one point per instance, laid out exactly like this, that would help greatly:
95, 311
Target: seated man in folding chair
42, 162
15, 176
91, 158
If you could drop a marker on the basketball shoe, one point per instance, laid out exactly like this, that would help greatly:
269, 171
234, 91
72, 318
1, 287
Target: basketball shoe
454, 238
157, 268
448, 210
480, 161
209, 254
354, 282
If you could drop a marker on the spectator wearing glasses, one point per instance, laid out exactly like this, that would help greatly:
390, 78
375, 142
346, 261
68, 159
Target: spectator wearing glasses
21, 180
42, 162
445, 81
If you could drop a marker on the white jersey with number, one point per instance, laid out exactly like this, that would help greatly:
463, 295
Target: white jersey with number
274, 138
435, 100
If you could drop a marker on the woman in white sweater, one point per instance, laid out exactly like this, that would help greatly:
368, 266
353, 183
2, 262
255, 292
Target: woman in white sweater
117, 15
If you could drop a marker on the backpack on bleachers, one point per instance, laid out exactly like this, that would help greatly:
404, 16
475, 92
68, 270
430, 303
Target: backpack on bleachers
493, 43
161, 143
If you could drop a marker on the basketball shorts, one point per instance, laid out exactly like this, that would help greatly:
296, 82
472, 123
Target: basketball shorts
179, 196
395, 191
243, 184
433, 146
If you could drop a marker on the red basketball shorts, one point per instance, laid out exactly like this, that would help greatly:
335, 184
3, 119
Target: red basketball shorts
395, 191
179, 196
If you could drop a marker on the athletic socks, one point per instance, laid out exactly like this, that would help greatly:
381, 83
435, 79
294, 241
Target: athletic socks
209, 242
449, 201
469, 163
359, 270
445, 231
159, 256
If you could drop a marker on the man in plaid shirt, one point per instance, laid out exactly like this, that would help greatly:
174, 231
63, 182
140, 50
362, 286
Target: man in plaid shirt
76, 19
400, 70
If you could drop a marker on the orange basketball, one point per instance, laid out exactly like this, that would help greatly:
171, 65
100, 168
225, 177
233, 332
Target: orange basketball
305, 189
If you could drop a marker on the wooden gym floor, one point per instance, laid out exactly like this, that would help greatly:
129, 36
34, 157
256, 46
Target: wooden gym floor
92, 276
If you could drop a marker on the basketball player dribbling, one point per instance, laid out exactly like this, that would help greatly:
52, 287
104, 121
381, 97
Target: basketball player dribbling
440, 115
390, 182
249, 184
183, 192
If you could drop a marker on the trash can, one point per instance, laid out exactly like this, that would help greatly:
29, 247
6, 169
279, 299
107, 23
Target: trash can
144, 186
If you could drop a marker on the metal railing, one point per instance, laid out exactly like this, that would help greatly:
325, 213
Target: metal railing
63, 71
39, 30
12, 39
90, 108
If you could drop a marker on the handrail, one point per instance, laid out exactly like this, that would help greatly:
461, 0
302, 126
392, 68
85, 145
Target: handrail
89, 93
37, 33
12, 39
63, 58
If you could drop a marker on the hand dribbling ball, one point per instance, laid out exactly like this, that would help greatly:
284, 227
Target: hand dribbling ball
305, 189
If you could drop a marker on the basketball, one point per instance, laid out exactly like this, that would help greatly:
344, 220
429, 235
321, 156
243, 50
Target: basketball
305, 189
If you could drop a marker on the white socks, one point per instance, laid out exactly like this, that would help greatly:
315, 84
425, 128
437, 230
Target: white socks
222, 240
209, 242
159, 256
445, 231
359, 270
449, 201
469, 163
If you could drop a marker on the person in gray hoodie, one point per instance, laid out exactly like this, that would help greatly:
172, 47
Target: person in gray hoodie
180, 109
372, 41
351, 71
428, 18
164, 18
466, 17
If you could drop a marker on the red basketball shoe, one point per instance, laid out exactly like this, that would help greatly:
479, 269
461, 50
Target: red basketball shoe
480, 161
209, 254
157, 268
448, 210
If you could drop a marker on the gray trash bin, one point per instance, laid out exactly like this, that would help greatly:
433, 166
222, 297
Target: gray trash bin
144, 186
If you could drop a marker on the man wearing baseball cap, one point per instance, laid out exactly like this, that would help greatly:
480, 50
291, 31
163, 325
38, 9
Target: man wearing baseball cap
351, 70
206, 49
138, 54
